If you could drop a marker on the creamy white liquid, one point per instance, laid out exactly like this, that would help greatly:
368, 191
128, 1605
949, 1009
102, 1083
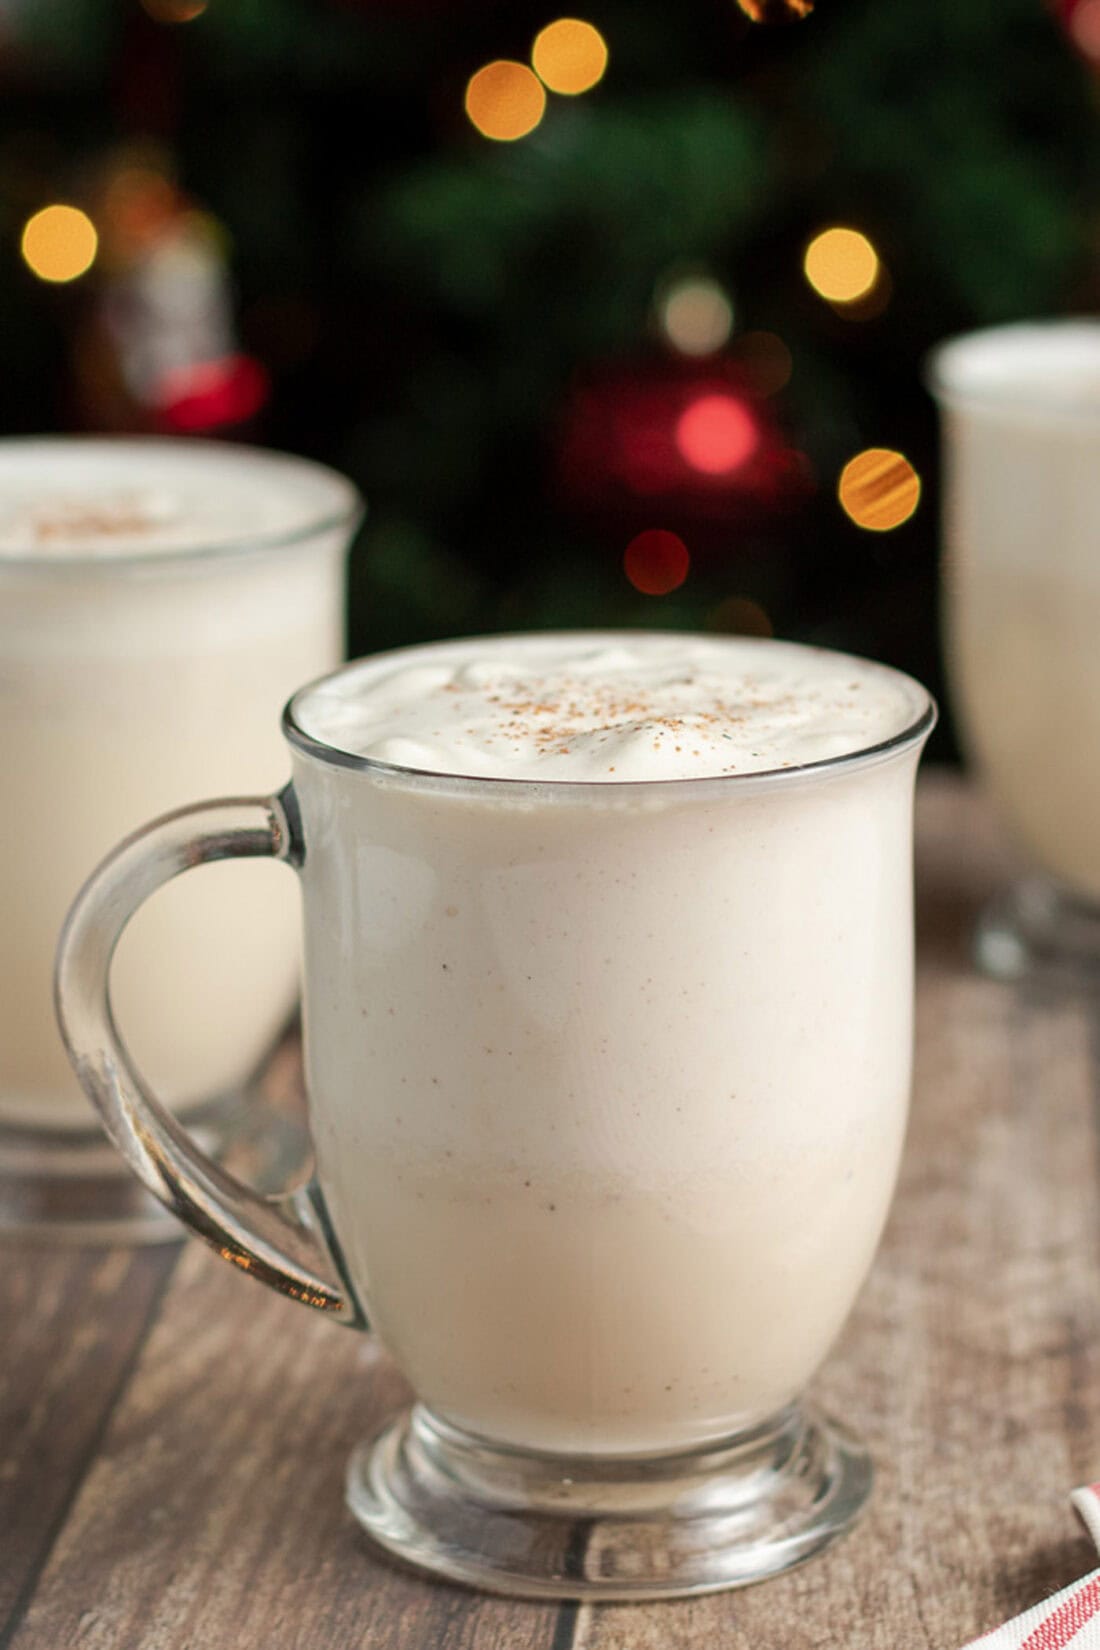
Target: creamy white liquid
609, 1084
1021, 409
142, 668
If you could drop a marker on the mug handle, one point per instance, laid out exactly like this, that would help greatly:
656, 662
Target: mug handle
285, 1241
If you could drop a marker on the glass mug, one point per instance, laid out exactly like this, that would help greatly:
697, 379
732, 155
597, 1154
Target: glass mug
608, 1084
1020, 411
159, 599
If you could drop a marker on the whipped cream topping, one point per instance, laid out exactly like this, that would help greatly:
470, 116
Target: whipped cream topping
608, 708
102, 499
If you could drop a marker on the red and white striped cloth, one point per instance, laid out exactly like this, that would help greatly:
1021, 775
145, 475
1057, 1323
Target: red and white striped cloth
1071, 1619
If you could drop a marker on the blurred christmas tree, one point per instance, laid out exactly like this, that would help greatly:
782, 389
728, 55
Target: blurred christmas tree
539, 319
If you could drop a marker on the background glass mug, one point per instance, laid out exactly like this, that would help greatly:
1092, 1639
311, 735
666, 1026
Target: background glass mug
608, 1085
159, 599
1020, 409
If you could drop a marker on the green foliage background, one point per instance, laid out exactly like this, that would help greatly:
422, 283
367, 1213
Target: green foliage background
425, 299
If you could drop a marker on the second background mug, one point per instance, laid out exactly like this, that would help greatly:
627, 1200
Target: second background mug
1020, 410
158, 601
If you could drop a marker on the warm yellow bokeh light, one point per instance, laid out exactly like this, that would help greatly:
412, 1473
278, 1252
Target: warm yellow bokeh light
59, 243
696, 315
570, 56
879, 489
841, 265
505, 101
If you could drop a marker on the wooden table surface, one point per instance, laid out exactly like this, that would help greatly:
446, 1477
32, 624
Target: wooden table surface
173, 1437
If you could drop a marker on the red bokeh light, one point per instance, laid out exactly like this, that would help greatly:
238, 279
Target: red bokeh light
656, 562
621, 458
212, 395
1084, 28
716, 434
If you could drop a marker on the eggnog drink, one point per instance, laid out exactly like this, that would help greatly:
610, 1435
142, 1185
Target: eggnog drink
608, 1014
1021, 409
158, 601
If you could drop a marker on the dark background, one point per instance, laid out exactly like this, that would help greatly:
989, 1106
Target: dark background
472, 329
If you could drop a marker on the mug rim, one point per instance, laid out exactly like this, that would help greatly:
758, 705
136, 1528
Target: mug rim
953, 377
913, 734
342, 510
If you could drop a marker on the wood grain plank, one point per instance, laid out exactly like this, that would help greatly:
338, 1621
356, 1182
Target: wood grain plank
214, 1514
972, 1364
71, 1321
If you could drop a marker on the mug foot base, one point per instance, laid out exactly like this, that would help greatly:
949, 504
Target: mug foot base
74, 1188
1038, 930
542, 1526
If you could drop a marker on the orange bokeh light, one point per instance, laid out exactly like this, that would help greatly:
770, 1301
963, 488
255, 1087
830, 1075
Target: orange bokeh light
505, 101
879, 489
656, 562
569, 56
776, 11
59, 243
841, 265
716, 434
